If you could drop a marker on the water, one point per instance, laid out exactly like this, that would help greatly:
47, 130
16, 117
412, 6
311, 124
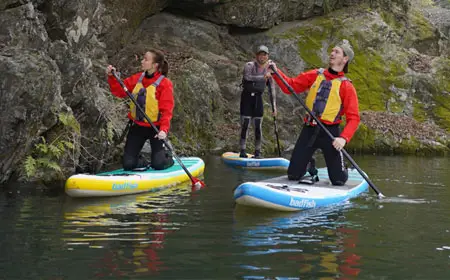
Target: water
175, 234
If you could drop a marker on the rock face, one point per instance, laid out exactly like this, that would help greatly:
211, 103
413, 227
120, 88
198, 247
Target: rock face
75, 36
29, 106
58, 116
264, 14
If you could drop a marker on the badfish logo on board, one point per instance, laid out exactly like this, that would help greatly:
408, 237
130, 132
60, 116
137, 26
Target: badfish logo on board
304, 203
253, 164
124, 186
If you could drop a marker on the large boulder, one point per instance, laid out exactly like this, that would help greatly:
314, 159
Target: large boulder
22, 27
30, 84
264, 14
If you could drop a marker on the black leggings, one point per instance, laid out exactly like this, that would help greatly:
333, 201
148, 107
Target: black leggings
245, 123
305, 148
137, 135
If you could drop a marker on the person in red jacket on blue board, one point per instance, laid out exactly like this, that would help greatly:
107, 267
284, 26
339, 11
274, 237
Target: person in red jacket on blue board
154, 93
330, 96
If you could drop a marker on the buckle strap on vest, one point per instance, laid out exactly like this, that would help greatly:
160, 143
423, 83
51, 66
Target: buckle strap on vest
155, 83
141, 77
322, 70
158, 81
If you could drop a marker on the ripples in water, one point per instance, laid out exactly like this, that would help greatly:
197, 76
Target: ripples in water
404, 181
134, 218
293, 238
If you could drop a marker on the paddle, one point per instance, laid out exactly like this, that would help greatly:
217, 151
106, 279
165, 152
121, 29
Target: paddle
196, 183
372, 185
274, 118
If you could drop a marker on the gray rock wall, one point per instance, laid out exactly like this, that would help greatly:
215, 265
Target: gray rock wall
53, 56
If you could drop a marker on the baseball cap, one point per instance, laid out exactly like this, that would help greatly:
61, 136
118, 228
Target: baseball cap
262, 48
348, 50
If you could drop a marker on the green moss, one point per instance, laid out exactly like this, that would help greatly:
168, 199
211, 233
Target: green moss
396, 107
372, 77
310, 37
367, 73
390, 19
310, 46
419, 112
414, 146
442, 111
442, 96
420, 27
408, 146
363, 139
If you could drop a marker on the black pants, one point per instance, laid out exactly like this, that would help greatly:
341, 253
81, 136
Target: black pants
137, 135
306, 146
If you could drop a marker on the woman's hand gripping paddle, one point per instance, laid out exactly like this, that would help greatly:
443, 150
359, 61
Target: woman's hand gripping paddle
197, 184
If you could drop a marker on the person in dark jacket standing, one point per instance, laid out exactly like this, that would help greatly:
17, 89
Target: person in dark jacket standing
154, 93
251, 108
330, 96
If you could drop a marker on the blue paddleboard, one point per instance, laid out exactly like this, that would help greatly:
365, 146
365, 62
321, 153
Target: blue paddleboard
233, 159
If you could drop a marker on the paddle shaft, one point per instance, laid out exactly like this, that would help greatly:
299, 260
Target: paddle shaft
152, 124
322, 126
274, 118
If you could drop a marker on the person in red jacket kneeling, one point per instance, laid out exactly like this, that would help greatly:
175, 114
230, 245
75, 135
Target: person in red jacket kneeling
154, 93
330, 96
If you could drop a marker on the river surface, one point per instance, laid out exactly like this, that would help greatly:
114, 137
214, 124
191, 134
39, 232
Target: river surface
176, 234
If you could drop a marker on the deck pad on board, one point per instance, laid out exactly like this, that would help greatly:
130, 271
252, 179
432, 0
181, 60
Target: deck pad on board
176, 167
323, 183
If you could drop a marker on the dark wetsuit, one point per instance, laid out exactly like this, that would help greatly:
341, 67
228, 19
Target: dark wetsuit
251, 107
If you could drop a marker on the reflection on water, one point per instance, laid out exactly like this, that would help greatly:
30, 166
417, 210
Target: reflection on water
293, 240
136, 224
176, 234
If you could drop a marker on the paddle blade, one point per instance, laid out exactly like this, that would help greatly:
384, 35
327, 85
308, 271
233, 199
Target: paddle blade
197, 184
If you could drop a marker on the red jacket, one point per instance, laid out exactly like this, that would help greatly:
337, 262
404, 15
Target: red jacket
347, 92
164, 95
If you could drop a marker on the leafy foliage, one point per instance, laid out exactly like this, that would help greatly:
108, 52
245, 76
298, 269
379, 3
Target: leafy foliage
46, 156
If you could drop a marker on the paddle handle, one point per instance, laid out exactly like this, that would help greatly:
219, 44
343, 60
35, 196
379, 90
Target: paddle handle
322, 126
152, 125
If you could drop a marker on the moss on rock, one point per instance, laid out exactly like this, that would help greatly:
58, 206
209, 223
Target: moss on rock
419, 112
363, 140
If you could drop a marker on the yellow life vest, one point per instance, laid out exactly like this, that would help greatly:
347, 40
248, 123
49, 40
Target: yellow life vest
146, 98
323, 98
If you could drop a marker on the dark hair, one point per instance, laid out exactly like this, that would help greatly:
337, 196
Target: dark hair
346, 64
346, 68
163, 65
